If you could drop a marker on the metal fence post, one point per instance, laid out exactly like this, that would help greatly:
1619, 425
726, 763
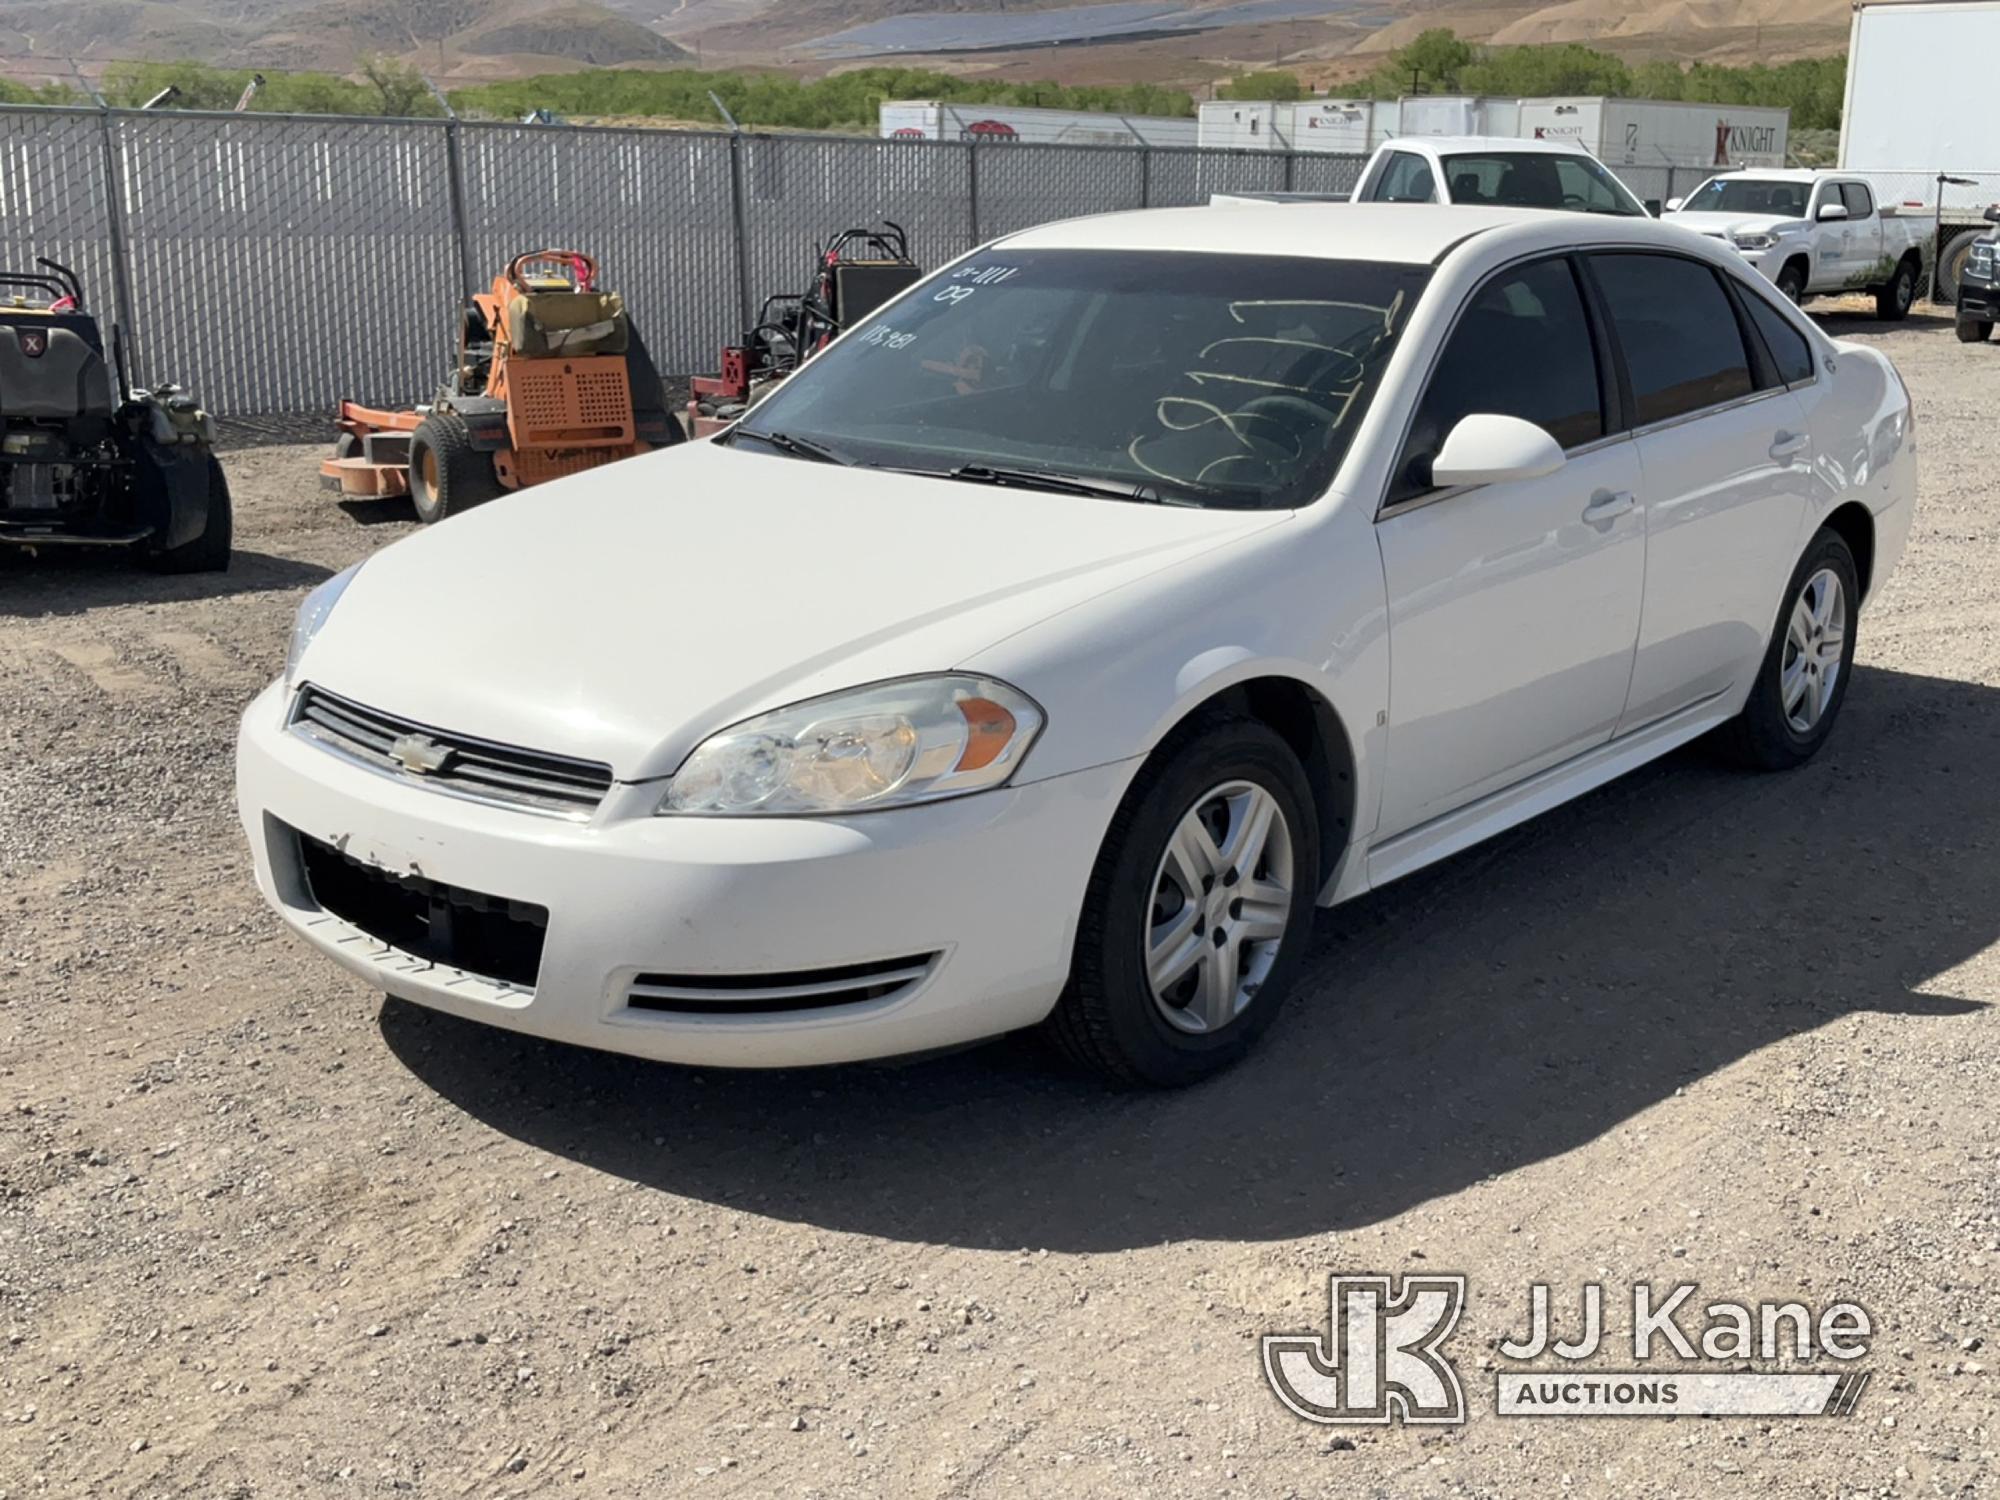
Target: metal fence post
972, 189
114, 223
454, 160
455, 175
744, 310
1291, 169
1145, 177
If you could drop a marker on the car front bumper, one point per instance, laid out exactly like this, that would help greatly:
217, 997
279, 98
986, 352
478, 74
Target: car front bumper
984, 890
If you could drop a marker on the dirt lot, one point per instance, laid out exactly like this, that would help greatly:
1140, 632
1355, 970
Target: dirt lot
262, 1234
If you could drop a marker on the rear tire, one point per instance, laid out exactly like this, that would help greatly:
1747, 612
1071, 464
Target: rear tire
447, 474
209, 552
1892, 302
1951, 265
1970, 332
1167, 886
1803, 679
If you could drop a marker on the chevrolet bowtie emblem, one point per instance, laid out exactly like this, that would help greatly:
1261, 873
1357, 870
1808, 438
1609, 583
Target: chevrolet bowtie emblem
420, 755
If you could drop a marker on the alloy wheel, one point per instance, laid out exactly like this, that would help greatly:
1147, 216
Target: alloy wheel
1221, 901
1815, 642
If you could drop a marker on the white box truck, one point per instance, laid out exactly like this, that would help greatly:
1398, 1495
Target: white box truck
932, 120
1661, 132
1921, 121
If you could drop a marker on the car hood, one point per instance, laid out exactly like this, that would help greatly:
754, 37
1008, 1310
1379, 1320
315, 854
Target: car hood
1724, 224
626, 613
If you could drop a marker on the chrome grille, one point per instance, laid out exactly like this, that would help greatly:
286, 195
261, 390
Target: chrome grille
457, 764
778, 993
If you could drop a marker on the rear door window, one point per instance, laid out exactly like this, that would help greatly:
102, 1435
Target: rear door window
1682, 344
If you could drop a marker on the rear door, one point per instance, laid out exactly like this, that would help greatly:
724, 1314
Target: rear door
1725, 463
1513, 607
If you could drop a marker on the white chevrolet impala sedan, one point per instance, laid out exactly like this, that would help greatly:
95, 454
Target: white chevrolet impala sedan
1053, 643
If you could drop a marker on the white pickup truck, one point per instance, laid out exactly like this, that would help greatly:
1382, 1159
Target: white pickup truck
1812, 233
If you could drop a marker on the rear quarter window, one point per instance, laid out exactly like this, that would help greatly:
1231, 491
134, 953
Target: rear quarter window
1789, 349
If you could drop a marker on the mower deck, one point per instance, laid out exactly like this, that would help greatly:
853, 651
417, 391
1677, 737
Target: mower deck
375, 463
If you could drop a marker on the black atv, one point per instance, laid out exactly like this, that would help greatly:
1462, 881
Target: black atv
86, 460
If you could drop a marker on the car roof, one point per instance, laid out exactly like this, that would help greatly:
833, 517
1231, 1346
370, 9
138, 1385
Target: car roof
1409, 233
1446, 145
1777, 174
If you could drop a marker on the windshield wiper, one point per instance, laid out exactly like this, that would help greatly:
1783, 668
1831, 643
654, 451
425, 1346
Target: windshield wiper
1058, 484
797, 447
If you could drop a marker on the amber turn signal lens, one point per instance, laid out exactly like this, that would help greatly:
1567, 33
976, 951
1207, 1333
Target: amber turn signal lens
988, 729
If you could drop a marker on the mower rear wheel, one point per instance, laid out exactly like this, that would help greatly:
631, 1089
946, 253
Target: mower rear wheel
209, 552
447, 474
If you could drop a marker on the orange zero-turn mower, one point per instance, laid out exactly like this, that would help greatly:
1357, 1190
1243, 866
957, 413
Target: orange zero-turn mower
551, 379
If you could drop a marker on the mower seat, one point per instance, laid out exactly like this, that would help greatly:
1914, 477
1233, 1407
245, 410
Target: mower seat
557, 323
52, 366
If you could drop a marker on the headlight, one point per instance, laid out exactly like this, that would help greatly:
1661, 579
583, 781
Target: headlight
915, 740
312, 614
1756, 240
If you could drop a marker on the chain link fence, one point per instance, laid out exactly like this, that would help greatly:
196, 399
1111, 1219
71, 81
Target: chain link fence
275, 264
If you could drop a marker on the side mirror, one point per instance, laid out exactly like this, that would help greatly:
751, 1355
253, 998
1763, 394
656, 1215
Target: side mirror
1485, 448
1832, 211
1674, 205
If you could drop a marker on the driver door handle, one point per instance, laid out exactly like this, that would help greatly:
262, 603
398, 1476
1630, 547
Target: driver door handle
1607, 506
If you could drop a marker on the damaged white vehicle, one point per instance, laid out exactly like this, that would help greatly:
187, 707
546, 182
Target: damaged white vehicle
1049, 647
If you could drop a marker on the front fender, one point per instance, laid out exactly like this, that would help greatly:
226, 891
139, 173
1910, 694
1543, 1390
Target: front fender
170, 491
1302, 601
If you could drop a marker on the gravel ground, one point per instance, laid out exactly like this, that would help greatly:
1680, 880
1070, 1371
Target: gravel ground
263, 1234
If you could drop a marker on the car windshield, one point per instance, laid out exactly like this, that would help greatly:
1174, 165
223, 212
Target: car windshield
1539, 179
1748, 195
1182, 378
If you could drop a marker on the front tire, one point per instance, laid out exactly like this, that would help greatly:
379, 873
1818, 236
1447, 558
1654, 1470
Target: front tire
1792, 282
447, 474
1803, 679
1970, 332
1198, 910
1892, 302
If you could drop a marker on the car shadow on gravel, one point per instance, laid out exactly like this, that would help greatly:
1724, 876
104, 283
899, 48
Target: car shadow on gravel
1499, 1009
62, 581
